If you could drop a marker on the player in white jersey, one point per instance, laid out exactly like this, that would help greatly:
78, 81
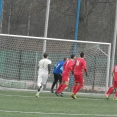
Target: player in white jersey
43, 73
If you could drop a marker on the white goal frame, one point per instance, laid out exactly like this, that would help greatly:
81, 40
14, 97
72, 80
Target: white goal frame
68, 40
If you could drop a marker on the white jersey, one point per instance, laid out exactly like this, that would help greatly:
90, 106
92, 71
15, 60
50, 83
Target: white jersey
43, 65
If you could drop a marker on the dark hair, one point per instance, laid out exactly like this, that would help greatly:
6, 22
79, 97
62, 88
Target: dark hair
72, 56
45, 55
82, 54
65, 59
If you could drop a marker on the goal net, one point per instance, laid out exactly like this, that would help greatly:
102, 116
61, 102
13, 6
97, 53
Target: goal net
19, 56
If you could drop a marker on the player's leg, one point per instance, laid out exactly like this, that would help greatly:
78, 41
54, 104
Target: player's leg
60, 78
75, 83
63, 82
56, 77
73, 95
58, 89
40, 88
65, 79
115, 97
64, 86
79, 82
110, 90
115, 87
39, 81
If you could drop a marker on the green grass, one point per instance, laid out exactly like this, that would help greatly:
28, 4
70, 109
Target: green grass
25, 104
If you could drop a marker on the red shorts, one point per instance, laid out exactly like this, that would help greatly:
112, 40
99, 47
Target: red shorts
115, 84
78, 78
65, 76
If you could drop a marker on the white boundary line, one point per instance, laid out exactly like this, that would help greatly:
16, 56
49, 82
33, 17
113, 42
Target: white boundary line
27, 90
57, 97
103, 115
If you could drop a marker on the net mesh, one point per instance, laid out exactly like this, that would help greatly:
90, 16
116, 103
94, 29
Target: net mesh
19, 60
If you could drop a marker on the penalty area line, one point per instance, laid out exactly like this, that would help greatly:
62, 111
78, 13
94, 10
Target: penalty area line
22, 112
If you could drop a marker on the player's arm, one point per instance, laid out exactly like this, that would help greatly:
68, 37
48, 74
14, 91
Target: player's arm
49, 64
85, 68
49, 68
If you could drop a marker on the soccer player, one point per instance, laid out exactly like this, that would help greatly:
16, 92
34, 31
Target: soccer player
43, 73
114, 86
58, 68
68, 67
79, 67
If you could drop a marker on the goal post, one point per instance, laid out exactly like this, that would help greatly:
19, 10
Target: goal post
19, 56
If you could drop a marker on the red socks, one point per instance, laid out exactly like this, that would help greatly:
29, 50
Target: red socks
76, 88
61, 88
110, 90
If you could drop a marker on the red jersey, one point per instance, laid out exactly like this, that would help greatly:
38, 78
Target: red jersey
115, 73
68, 66
80, 65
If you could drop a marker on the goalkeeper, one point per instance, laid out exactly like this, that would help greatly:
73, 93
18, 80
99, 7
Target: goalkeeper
58, 68
79, 66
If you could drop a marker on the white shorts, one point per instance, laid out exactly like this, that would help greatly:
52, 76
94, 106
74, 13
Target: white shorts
42, 78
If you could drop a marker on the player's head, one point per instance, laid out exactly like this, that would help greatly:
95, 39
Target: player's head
82, 55
65, 59
45, 55
73, 56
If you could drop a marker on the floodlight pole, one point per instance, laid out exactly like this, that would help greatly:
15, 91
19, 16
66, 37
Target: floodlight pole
114, 45
46, 25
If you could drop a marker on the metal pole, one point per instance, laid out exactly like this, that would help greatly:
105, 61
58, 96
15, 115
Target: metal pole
108, 67
94, 69
46, 24
1, 14
54, 39
77, 24
114, 44
9, 20
35, 76
28, 30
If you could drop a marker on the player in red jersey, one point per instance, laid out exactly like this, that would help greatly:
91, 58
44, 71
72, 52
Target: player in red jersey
68, 67
79, 67
114, 86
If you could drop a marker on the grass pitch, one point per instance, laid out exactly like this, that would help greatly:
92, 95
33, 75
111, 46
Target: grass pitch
25, 104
